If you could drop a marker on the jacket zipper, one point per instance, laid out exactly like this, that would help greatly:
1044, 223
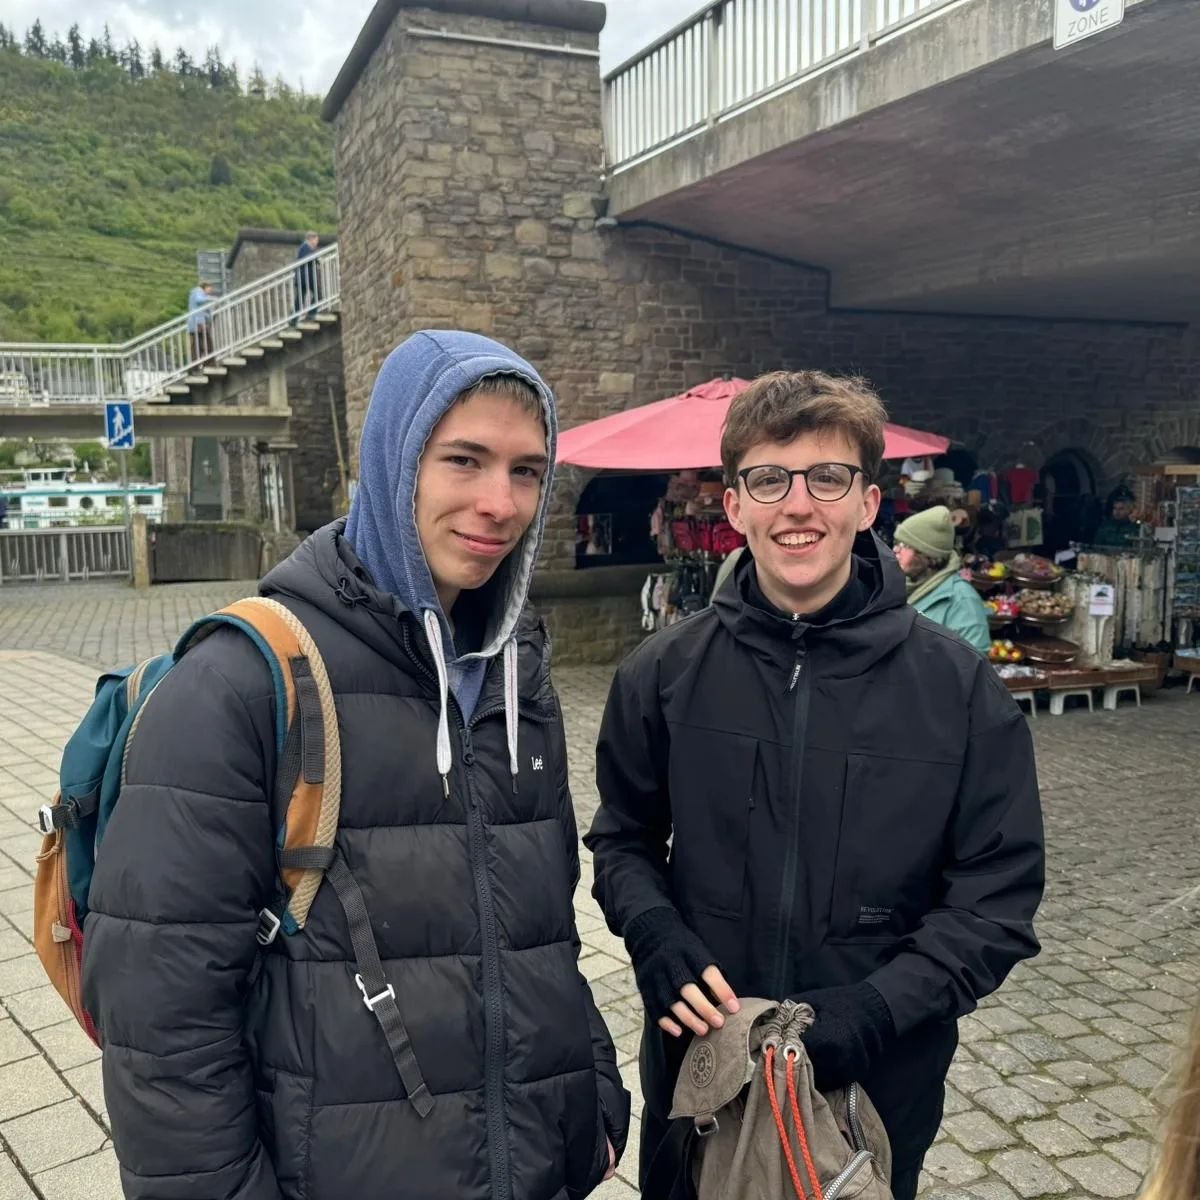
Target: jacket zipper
493, 1013
798, 686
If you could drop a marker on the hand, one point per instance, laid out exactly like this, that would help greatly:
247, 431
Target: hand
670, 962
696, 1011
852, 1027
612, 1163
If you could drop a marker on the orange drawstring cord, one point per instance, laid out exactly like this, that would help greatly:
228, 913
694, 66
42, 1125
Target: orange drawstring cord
784, 1140
808, 1161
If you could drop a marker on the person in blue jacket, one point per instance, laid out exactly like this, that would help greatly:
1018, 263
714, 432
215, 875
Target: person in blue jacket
924, 545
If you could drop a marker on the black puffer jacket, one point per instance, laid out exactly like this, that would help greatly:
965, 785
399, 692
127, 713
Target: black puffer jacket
286, 1088
849, 801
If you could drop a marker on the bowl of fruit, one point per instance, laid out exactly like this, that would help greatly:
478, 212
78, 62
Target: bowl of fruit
1053, 652
984, 575
1034, 572
1005, 651
1042, 608
1002, 610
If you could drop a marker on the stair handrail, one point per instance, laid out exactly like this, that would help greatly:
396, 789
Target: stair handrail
151, 361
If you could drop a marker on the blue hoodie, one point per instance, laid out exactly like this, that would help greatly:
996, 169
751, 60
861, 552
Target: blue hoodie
415, 388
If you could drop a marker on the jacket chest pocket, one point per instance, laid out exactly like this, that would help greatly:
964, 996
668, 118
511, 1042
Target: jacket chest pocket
712, 796
890, 857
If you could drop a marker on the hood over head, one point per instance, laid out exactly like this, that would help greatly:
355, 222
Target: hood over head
416, 386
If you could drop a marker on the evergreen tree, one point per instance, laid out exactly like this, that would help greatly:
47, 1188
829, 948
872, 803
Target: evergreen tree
157, 65
133, 60
57, 50
257, 85
95, 52
75, 48
110, 51
232, 82
35, 40
184, 67
8, 40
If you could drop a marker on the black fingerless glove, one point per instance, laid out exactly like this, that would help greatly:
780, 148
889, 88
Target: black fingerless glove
853, 1026
666, 955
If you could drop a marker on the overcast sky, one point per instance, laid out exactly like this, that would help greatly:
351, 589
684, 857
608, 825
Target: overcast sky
306, 42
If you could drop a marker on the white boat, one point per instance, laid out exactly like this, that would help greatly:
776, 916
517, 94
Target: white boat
58, 498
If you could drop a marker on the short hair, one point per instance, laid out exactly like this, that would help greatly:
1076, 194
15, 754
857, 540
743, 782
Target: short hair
312, 233
782, 405
512, 387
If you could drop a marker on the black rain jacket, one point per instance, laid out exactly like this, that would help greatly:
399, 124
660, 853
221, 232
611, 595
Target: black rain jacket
825, 804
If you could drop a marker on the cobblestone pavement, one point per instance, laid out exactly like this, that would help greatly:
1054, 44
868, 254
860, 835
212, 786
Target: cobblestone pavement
1052, 1092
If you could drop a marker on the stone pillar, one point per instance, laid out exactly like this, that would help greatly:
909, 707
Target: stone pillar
172, 465
139, 550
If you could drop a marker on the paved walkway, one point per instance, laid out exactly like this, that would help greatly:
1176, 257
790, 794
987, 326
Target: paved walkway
1052, 1090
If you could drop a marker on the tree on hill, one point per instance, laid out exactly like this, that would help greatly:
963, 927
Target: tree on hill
157, 65
35, 40
75, 49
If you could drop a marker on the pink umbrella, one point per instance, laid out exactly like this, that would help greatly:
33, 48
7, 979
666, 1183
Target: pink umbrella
684, 432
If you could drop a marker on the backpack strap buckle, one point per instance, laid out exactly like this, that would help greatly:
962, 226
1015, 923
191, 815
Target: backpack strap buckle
371, 1001
268, 927
46, 822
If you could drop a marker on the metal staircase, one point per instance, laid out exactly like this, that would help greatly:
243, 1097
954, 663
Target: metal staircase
167, 365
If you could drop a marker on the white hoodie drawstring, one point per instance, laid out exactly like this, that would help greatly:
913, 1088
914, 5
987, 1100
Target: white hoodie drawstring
433, 630
510, 707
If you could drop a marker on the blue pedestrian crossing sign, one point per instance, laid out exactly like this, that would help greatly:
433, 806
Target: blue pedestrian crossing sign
118, 424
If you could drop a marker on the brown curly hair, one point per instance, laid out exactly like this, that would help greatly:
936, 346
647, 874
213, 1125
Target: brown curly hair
782, 405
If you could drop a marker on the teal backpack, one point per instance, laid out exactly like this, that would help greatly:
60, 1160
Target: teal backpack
309, 772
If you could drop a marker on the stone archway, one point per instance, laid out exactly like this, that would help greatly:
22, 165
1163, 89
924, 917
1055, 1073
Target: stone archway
1070, 480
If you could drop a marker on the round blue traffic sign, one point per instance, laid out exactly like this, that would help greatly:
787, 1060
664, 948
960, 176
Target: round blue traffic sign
1084, 5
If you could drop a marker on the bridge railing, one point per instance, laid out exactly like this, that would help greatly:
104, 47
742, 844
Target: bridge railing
33, 373
732, 54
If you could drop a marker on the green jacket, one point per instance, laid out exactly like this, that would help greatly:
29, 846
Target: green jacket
956, 604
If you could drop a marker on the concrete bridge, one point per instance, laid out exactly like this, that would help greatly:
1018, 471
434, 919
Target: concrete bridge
932, 155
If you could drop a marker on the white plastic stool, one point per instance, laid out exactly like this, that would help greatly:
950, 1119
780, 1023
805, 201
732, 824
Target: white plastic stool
1031, 697
1192, 677
1057, 697
1113, 691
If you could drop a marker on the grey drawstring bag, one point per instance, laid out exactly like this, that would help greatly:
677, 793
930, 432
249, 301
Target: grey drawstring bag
762, 1130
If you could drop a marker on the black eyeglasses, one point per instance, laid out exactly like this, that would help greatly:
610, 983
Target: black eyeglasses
826, 482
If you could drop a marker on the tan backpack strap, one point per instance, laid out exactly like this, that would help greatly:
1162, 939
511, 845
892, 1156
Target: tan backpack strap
311, 769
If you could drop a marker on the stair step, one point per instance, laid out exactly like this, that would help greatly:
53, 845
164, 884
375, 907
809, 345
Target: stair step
326, 318
211, 371
308, 326
158, 398
289, 335
233, 361
177, 389
252, 352
195, 380
273, 343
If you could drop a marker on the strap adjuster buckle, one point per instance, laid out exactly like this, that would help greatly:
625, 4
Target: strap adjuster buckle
46, 819
268, 927
371, 1001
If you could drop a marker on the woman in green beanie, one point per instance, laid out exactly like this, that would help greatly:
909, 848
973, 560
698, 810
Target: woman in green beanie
924, 545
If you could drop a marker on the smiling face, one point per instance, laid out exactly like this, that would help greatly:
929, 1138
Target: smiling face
478, 488
802, 546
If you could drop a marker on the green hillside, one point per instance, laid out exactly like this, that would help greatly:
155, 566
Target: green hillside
110, 184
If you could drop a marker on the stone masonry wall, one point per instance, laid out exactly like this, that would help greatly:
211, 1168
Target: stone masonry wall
314, 461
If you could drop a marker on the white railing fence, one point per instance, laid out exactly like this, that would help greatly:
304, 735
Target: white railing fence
734, 53
63, 555
39, 373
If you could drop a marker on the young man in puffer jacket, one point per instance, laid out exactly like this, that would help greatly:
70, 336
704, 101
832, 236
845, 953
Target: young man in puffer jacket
228, 1078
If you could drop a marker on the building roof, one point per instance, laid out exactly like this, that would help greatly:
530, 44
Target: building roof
584, 16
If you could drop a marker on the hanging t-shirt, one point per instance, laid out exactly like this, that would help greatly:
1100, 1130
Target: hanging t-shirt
1021, 482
